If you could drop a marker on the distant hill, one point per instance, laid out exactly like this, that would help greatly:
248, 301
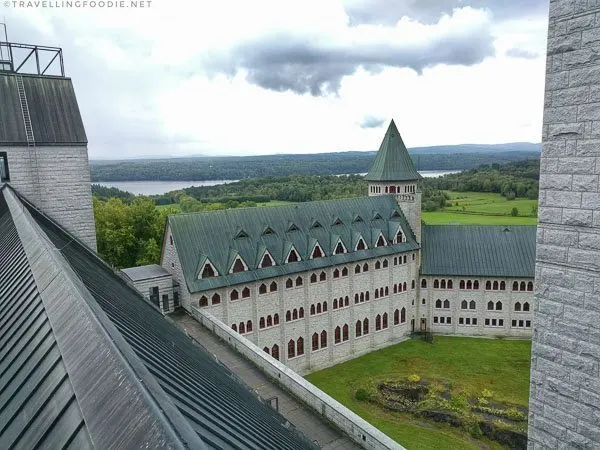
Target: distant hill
449, 157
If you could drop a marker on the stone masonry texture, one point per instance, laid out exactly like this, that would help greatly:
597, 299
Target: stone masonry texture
565, 383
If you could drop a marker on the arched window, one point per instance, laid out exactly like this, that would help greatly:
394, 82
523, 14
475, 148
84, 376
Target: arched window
234, 327
463, 304
403, 315
208, 271
295, 314
246, 292
357, 268
385, 320
203, 301
323, 339
289, 283
275, 352
530, 286
319, 310
345, 333
490, 306
346, 301
404, 286
315, 341
249, 326
376, 293
273, 286
387, 291
380, 242
472, 304
261, 323
377, 265
447, 304
288, 316
291, 349
395, 260
322, 276
242, 328
301, 313
438, 303
502, 286
362, 297
324, 306
443, 284
517, 306
300, 346
469, 284
377, 322
337, 335
412, 284
344, 271
498, 306
238, 266
404, 257
299, 281
336, 273
335, 303
396, 317
365, 267
216, 299
523, 286
461, 285
449, 284
262, 289
293, 256
317, 252
358, 331
267, 261
385, 263
399, 237
476, 284
488, 285
515, 286
366, 326
361, 244
423, 283
269, 321
339, 248
313, 278
355, 299
436, 284
395, 288
526, 306
312, 310
495, 285
266, 350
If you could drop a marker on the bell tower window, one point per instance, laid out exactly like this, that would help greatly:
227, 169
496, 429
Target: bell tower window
4, 175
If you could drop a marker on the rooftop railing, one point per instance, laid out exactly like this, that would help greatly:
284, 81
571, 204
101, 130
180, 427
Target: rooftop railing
27, 59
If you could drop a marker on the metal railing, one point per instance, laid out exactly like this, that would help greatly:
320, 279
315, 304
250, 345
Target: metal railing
14, 58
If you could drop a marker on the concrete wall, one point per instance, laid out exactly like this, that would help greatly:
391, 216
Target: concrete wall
56, 180
565, 383
355, 427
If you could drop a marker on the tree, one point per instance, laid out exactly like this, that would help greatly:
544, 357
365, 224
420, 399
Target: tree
514, 212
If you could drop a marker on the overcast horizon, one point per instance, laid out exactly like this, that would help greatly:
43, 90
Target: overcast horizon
229, 78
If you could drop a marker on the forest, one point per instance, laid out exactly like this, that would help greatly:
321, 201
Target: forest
238, 168
130, 228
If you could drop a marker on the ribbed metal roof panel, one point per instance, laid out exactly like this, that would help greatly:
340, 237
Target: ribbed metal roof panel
494, 251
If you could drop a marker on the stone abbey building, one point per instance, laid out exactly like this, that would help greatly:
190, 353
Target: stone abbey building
317, 283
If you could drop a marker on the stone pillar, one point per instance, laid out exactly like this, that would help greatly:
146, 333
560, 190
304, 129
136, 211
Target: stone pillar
565, 383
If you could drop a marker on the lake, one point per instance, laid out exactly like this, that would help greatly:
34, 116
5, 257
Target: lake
162, 187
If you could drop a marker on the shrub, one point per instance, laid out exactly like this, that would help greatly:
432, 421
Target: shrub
486, 393
414, 378
475, 431
459, 403
362, 395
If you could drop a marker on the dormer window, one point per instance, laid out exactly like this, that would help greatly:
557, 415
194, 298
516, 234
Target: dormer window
380, 241
292, 256
337, 221
399, 237
268, 231
316, 224
317, 252
293, 227
4, 175
377, 216
339, 248
267, 261
357, 219
238, 266
361, 244
241, 235
208, 271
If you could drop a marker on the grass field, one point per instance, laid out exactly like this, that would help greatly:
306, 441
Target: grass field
469, 364
479, 208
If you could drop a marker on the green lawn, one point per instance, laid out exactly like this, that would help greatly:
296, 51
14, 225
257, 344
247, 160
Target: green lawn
479, 208
469, 364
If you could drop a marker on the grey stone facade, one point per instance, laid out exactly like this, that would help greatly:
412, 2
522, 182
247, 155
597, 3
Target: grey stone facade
56, 179
565, 383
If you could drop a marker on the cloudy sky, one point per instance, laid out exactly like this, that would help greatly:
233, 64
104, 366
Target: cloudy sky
285, 76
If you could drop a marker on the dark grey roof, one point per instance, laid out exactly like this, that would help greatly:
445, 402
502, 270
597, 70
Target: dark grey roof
55, 116
148, 272
494, 251
161, 389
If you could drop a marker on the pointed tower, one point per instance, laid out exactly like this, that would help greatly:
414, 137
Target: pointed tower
393, 173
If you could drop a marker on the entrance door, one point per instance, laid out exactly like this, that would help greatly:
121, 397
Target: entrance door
423, 324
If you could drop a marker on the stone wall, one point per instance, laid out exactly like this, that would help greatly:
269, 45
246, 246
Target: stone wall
565, 384
165, 287
57, 181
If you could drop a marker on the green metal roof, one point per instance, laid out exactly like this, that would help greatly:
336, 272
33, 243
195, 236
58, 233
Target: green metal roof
493, 251
392, 163
215, 235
